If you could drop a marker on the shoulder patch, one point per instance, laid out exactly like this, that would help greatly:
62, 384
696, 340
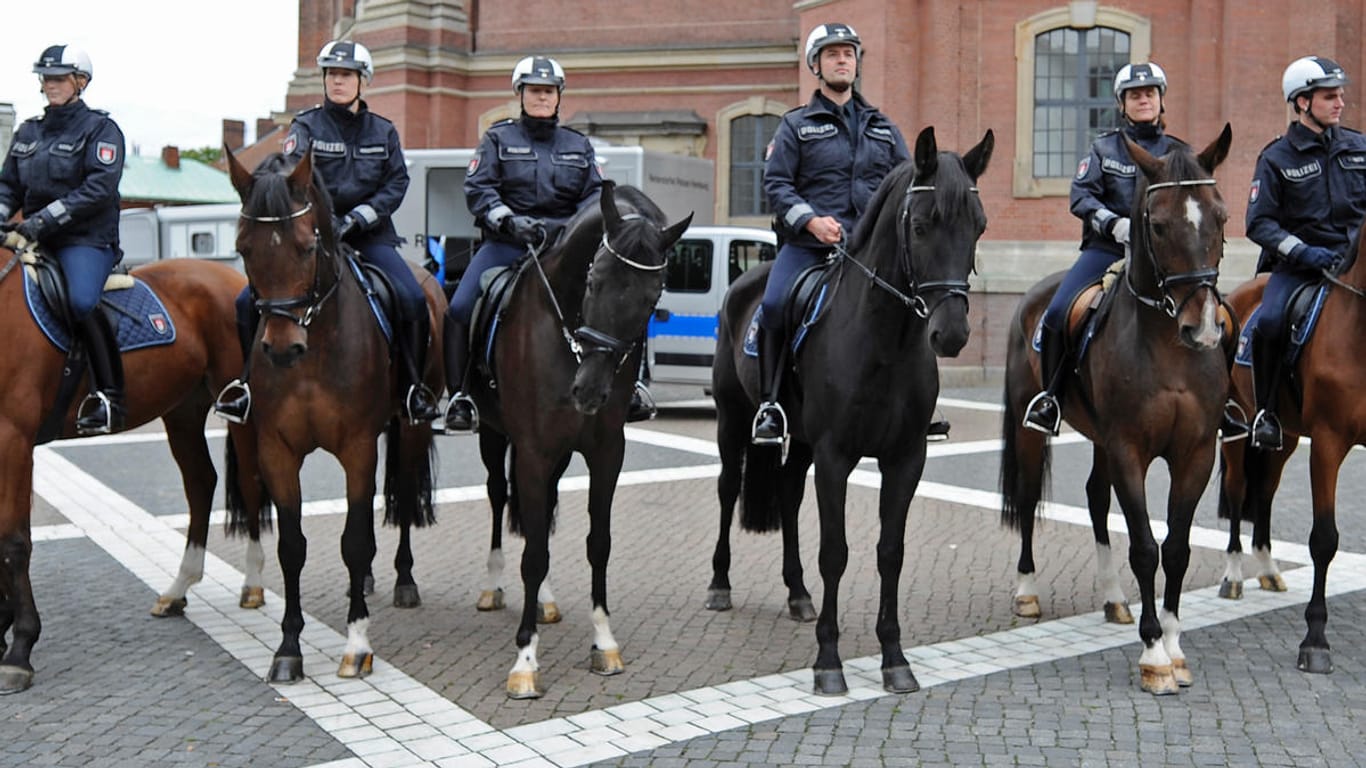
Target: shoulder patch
1083, 167
1255, 192
106, 152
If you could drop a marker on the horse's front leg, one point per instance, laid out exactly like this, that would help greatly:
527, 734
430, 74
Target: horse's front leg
1128, 470
493, 452
792, 487
360, 458
1107, 566
899, 481
18, 611
1325, 460
280, 469
604, 467
531, 475
1189, 476
732, 438
832, 486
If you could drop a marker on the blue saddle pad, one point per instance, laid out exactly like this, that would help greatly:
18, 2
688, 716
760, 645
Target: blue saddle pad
139, 317
1088, 333
1301, 330
815, 309
371, 297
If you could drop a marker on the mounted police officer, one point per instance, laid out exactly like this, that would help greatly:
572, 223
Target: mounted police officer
1102, 197
527, 178
62, 173
358, 155
1307, 201
826, 160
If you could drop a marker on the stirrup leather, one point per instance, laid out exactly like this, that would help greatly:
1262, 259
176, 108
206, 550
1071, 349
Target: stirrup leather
766, 407
230, 392
1037, 402
461, 397
87, 409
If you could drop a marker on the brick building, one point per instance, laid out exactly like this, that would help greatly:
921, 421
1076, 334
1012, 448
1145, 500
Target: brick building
709, 79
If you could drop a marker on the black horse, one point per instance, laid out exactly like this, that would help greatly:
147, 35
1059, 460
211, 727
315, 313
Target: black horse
866, 384
564, 360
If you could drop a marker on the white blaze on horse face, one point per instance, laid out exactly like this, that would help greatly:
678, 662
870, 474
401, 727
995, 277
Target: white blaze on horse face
275, 239
602, 634
1193, 214
1210, 332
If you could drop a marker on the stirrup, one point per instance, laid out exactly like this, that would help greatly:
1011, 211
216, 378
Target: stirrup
460, 397
1039, 401
1263, 418
938, 430
230, 394
88, 408
410, 403
642, 406
766, 407
1233, 424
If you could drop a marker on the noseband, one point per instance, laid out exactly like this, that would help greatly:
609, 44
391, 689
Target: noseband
311, 302
1206, 277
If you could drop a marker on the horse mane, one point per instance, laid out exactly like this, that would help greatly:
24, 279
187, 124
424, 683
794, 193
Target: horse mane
953, 197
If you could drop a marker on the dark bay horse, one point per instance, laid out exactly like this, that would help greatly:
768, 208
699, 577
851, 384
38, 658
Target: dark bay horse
1151, 385
564, 360
321, 373
867, 381
1324, 405
174, 383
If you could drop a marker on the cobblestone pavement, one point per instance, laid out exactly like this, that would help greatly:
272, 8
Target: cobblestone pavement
117, 687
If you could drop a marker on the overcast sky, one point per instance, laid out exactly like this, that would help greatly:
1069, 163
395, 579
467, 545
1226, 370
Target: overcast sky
168, 71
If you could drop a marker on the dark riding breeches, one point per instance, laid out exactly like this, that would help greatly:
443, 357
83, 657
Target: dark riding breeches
1271, 319
491, 254
85, 268
792, 261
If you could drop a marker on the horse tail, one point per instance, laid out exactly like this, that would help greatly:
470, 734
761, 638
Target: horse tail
1013, 491
238, 522
408, 479
760, 489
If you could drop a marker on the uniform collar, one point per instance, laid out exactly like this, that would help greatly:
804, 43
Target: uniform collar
819, 105
64, 113
1304, 139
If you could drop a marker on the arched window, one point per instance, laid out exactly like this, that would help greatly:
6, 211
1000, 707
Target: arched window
1066, 69
743, 131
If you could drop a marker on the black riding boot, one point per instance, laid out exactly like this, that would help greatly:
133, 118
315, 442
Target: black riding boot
770, 423
461, 415
419, 404
642, 402
1044, 412
102, 411
1266, 375
234, 402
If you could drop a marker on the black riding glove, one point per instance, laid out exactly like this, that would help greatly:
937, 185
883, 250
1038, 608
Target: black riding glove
1315, 257
32, 227
527, 230
345, 225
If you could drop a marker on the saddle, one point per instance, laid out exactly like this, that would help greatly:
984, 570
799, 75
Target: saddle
1302, 316
495, 290
805, 304
379, 293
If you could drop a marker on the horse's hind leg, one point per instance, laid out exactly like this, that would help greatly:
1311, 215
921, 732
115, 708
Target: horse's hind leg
1325, 461
732, 435
1107, 566
547, 609
792, 487
408, 491
16, 551
493, 451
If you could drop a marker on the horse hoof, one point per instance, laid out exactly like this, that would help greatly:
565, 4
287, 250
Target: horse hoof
524, 685
14, 679
801, 609
356, 666
608, 662
252, 597
1271, 582
490, 600
899, 680
718, 600
1318, 661
1231, 590
830, 682
548, 613
169, 606
1157, 679
286, 669
1118, 613
1027, 606
406, 596
1181, 671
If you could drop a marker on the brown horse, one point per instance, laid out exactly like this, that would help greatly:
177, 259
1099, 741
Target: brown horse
1152, 385
1323, 405
322, 379
174, 383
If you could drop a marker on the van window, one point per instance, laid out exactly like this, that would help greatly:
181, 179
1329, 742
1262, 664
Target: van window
689, 269
201, 244
747, 253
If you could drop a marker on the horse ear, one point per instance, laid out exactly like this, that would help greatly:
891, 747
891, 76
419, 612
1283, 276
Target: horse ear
611, 217
672, 233
1217, 151
1151, 166
926, 153
975, 161
238, 173
302, 175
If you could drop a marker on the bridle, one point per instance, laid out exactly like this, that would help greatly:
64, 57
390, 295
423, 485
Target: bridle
915, 298
311, 302
1206, 277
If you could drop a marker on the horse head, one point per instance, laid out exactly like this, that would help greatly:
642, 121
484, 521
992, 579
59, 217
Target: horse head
941, 219
283, 210
625, 279
1178, 237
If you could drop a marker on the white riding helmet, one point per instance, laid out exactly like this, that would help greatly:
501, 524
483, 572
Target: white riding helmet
64, 60
537, 70
345, 54
1145, 75
1311, 73
829, 34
